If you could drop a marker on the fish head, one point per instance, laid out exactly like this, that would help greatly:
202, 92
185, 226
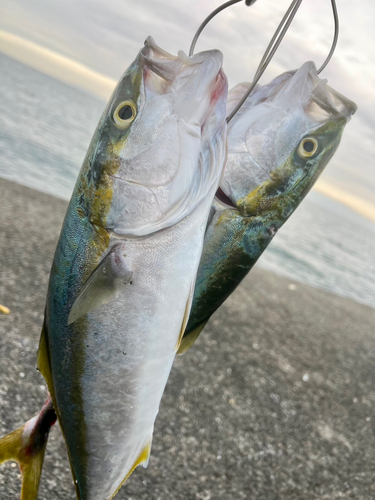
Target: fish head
283, 139
159, 122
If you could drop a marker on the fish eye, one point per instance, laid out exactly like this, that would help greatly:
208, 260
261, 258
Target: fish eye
124, 114
307, 147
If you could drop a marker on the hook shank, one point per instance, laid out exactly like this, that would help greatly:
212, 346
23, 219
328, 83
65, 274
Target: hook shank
208, 19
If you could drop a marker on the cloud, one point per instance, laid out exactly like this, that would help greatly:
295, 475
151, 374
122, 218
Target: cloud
56, 65
93, 38
362, 207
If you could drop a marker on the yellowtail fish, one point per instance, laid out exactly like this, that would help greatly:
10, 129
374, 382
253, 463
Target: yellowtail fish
278, 144
123, 275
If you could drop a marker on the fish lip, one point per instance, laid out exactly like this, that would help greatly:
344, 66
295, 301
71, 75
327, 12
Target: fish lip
151, 46
318, 92
305, 85
158, 61
347, 108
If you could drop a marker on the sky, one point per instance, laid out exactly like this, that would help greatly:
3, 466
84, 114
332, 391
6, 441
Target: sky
90, 43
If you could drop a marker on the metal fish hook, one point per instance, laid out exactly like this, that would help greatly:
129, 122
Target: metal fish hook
270, 51
275, 42
335, 36
211, 16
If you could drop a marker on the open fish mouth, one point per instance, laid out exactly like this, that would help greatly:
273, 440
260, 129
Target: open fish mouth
197, 80
320, 101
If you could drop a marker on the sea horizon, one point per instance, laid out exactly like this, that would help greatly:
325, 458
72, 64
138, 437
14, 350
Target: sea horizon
325, 243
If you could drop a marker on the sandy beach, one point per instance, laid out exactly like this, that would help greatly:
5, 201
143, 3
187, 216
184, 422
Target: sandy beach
275, 400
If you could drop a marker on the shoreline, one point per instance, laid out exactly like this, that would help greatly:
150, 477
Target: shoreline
354, 216
274, 401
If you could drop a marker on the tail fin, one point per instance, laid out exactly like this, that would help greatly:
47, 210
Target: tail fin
26, 446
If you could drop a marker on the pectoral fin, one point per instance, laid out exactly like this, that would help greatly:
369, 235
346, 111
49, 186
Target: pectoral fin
188, 340
103, 284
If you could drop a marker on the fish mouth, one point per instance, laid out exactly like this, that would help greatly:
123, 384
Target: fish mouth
302, 87
325, 103
159, 67
196, 83
317, 99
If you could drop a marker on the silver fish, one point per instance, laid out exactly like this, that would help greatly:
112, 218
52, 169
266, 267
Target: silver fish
278, 144
123, 274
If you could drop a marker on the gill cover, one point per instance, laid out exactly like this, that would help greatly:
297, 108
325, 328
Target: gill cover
156, 151
159, 176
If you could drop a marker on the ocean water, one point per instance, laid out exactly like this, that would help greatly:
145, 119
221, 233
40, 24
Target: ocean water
46, 127
326, 245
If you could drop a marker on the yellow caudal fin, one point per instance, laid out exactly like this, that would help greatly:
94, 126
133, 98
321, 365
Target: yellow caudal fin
26, 446
10, 445
31, 473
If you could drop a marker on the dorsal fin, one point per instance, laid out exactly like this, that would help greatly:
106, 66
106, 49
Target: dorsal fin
43, 362
188, 340
185, 319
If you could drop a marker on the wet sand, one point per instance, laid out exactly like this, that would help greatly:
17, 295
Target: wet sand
275, 400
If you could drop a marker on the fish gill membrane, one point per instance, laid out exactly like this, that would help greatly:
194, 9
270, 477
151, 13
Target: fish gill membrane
123, 274
279, 142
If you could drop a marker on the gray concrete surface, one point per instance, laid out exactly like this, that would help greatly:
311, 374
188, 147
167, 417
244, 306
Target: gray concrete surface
275, 401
